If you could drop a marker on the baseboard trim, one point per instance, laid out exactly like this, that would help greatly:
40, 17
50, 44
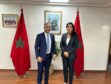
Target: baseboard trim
2, 70
95, 71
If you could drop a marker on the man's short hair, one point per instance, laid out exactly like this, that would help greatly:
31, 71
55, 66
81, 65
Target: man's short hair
46, 24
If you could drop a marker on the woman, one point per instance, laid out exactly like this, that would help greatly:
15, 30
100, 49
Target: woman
69, 44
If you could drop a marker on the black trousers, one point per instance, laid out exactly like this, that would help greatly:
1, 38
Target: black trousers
68, 66
44, 66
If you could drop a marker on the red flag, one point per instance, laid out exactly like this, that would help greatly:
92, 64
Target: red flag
79, 62
20, 49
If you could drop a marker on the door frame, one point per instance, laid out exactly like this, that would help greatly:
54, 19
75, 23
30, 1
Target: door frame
109, 50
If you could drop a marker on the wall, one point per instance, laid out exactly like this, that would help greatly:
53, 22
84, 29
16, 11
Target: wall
95, 25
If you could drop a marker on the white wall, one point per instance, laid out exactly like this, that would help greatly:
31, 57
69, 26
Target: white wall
95, 24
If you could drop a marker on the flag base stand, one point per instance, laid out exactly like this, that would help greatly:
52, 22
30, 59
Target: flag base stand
23, 76
82, 74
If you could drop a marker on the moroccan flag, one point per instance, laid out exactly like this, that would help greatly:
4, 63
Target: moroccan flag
79, 62
20, 49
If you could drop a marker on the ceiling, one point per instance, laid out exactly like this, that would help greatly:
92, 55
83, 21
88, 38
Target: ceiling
104, 3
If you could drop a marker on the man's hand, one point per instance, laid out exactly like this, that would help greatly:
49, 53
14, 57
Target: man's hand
54, 55
66, 54
39, 59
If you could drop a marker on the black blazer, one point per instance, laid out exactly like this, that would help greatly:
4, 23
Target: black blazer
71, 47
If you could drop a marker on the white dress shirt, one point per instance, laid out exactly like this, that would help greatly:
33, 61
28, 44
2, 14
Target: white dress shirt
67, 41
48, 52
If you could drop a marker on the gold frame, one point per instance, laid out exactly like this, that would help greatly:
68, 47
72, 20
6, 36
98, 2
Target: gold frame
9, 26
48, 11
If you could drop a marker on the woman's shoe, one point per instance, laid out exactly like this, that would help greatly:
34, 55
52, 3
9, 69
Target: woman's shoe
65, 83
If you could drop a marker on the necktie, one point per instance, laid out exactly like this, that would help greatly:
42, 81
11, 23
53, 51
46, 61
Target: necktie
47, 43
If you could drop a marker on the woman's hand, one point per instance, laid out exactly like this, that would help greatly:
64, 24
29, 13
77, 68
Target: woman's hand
66, 54
39, 59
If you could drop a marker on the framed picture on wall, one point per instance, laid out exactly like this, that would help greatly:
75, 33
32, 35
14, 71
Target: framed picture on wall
55, 19
10, 20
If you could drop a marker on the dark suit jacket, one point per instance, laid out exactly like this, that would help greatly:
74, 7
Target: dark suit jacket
71, 47
40, 45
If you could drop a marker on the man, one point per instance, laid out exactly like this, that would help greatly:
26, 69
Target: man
45, 49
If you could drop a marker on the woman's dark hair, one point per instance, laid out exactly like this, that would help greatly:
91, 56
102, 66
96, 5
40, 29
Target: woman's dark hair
73, 31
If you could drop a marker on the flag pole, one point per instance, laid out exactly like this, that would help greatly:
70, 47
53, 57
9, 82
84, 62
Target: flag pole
21, 5
15, 74
77, 8
26, 74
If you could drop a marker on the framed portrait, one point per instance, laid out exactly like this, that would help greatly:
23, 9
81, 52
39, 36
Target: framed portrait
10, 20
55, 19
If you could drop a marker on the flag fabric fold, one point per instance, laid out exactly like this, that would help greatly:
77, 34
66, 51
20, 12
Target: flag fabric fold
20, 54
79, 62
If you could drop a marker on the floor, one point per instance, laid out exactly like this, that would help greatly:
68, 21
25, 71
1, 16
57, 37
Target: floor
10, 77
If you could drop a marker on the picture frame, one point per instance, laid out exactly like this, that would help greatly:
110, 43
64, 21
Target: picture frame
10, 20
55, 19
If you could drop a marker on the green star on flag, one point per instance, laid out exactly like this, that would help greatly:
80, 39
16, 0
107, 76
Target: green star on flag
19, 43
